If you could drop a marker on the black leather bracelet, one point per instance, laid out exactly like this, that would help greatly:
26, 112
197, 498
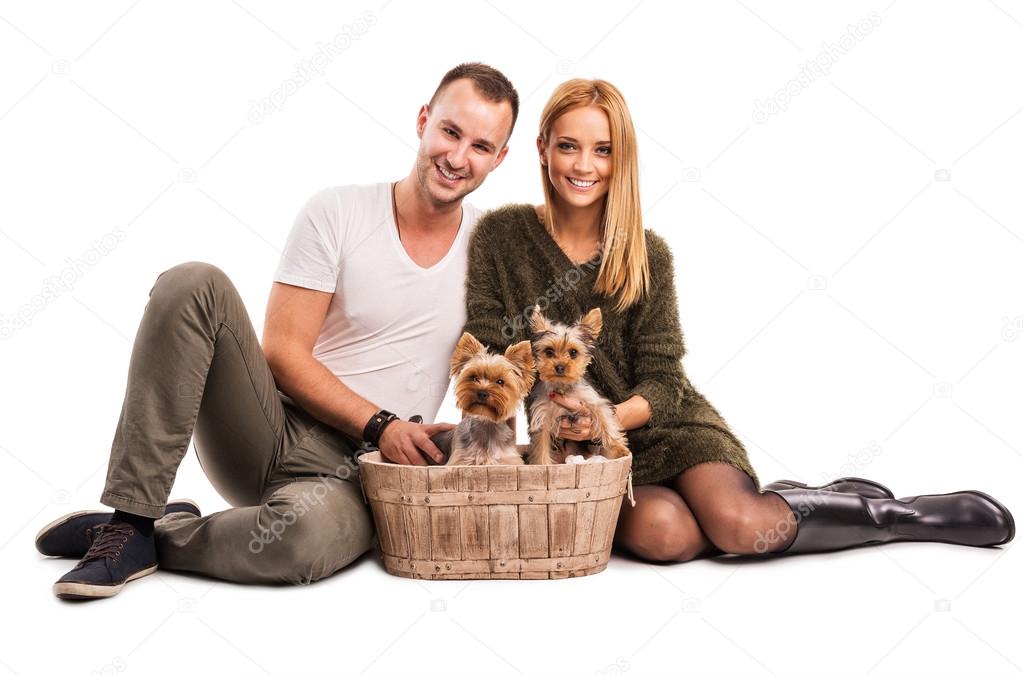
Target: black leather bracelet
376, 425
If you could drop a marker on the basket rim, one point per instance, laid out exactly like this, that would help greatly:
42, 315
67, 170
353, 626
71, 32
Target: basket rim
376, 459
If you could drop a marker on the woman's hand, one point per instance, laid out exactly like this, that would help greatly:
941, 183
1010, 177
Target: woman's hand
576, 424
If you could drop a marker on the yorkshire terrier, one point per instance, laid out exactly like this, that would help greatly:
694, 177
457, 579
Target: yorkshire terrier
488, 390
562, 354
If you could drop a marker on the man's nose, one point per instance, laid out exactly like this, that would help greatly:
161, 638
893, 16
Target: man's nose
457, 157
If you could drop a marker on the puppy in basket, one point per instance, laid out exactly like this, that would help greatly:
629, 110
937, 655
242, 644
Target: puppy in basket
488, 390
562, 354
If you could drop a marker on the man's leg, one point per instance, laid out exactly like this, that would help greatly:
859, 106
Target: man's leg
306, 530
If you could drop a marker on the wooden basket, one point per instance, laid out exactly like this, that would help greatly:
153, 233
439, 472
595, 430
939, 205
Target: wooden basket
495, 522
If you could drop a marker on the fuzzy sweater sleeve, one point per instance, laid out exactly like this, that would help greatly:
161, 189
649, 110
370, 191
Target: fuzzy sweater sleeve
656, 343
484, 303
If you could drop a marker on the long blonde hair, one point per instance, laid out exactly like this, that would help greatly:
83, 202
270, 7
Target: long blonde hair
624, 271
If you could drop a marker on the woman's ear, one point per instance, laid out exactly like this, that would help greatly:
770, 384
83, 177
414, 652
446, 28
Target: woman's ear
541, 150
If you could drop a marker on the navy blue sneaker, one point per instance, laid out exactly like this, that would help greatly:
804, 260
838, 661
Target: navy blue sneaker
71, 536
119, 554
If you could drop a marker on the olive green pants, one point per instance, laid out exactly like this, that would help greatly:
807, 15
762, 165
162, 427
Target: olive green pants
197, 366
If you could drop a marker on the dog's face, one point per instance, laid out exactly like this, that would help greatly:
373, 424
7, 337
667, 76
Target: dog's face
563, 353
491, 385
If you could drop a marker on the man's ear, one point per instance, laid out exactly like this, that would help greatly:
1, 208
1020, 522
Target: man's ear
467, 347
424, 113
500, 156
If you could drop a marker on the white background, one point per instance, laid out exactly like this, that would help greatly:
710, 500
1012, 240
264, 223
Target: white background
849, 283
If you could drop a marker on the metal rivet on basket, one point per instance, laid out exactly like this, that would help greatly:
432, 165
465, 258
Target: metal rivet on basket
436, 568
447, 566
503, 563
470, 498
426, 499
559, 566
587, 494
530, 497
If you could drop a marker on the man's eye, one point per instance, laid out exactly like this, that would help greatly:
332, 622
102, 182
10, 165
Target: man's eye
450, 132
482, 148
573, 353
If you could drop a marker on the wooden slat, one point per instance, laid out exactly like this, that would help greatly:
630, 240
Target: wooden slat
533, 530
532, 477
562, 529
383, 534
444, 526
472, 479
583, 527
589, 474
561, 476
475, 529
443, 479
504, 531
502, 478
393, 514
417, 527
601, 524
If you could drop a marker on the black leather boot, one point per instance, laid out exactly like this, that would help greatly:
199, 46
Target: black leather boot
850, 484
830, 521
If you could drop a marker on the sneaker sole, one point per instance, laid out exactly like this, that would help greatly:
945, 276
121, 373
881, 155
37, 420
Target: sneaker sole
73, 591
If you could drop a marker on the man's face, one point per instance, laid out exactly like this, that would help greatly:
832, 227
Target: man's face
463, 138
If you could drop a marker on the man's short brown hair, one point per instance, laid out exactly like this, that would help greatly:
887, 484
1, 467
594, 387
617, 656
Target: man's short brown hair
489, 82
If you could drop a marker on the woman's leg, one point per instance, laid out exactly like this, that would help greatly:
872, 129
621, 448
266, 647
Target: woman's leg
731, 512
660, 527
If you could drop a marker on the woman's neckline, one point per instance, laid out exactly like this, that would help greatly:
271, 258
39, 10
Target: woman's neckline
534, 217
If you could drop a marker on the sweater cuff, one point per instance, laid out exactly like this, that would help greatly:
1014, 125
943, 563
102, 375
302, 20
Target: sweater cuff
658, 397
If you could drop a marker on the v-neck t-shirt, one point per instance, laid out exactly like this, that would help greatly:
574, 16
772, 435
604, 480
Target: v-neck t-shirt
392, 325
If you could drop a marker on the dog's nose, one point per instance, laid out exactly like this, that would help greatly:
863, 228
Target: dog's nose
482, 395
559, 369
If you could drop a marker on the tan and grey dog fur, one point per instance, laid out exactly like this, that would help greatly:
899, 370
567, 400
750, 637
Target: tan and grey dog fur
488, 389
562, 354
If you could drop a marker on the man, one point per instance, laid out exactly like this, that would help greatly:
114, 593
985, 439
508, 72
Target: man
367, 305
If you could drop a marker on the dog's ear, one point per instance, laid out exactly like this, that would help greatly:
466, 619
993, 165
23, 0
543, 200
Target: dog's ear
521, 356
467, 347
538, 323
592, 322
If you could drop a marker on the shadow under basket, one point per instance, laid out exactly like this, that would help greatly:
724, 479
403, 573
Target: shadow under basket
495, 522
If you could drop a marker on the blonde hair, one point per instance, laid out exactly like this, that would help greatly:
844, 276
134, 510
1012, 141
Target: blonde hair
624, 271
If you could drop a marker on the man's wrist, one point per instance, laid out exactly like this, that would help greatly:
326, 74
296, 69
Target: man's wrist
374, 428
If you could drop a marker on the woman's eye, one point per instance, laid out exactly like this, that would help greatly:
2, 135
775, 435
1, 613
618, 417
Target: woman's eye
500, 382
565, 146
604, 150
573, 353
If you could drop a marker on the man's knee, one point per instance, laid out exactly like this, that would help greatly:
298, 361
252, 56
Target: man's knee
316, 530
186, 278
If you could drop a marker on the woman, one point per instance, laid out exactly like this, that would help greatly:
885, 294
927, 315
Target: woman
696, 492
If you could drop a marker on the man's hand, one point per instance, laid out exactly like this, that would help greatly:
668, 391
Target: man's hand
576, 425
405, 442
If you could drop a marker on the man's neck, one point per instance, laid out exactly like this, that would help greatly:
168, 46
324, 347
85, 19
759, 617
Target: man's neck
415, 210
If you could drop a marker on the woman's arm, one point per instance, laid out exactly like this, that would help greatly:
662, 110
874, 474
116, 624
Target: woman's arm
633, 413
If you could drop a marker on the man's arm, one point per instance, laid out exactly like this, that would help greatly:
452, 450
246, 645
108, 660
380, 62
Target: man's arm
294, 317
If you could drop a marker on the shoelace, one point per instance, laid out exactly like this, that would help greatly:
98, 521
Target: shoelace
109, 540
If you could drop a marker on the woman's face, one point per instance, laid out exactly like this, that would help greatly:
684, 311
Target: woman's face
578, 156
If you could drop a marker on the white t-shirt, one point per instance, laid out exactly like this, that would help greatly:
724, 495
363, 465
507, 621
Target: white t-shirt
392, 325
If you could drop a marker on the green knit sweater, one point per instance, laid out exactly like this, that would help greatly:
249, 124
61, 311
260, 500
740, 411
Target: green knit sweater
514, 264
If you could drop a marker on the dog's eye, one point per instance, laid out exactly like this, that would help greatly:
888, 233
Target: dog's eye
549, 353
573, 353
501, 382
475, 378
